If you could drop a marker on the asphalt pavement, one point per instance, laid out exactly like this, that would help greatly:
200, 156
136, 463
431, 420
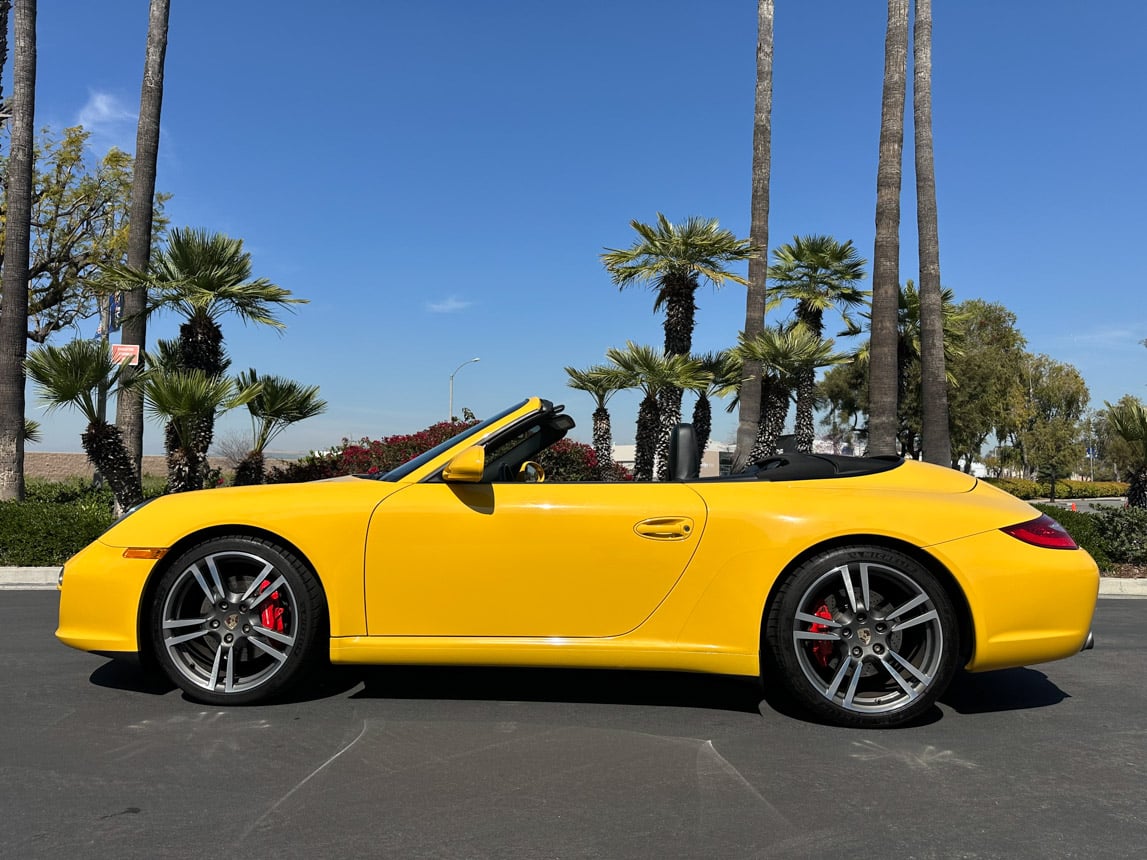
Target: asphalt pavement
99, 760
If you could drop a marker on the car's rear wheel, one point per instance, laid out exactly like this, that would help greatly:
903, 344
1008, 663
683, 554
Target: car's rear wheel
863, 636
236, 619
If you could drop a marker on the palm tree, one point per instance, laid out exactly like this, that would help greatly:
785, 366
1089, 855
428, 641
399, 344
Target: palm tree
673, 259
935, 432
786, 353
181, 398
886, 256
278, 403
750, 405
722, 373
204, 276
129, 405
1128, 420
818, 273
650, 371
71, 375
601, 383
14, 279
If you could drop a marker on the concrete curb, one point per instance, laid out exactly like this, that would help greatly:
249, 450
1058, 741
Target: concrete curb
37, 578
29, 578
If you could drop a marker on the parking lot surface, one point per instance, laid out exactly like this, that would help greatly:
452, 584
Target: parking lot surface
97, 760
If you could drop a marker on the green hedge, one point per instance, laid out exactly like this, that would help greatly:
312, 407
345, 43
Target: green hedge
45, 533
1025, 489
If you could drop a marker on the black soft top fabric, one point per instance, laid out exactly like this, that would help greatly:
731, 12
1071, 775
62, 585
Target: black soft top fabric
808, 467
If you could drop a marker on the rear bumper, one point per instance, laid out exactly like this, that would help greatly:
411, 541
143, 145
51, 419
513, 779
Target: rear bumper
1027, 604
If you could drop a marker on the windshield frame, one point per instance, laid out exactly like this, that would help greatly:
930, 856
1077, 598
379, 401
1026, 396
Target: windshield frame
400, 472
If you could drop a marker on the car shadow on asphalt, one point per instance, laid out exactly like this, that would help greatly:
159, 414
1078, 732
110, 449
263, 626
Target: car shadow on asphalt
591, 686
1002, 690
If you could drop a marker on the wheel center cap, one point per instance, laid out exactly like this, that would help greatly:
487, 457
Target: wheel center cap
231, 621
864, 635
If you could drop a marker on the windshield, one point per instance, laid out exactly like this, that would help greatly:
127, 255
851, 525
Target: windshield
410, 465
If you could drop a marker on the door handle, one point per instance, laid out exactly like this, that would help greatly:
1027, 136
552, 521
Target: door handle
665, 528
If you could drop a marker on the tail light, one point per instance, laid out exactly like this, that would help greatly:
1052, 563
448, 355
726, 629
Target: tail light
1044, 532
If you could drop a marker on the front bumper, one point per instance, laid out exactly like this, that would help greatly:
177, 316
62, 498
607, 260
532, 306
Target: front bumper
100, 593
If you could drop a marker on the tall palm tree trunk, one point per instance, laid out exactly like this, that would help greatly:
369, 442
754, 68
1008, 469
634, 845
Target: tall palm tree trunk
14, 281
103, 443
775, 400
1137, 491
648, 421
750, 397
935, 430
806, 400
129, 404
702, 421
669, 407
882, 371
603, 439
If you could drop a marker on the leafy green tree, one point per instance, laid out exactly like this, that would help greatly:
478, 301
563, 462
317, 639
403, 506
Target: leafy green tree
1048, 428
181, 398
818, 273
984, 370
756, 293
72, 375
601, 383
883, 375
277, 404
1128, 421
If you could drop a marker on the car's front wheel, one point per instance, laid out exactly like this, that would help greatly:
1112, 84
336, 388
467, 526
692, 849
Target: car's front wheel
863, 636
236, 619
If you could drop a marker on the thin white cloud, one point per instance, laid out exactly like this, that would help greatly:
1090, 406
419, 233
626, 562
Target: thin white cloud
448, 306
109, 120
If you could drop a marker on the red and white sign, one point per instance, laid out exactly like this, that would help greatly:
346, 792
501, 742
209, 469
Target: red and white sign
121, 352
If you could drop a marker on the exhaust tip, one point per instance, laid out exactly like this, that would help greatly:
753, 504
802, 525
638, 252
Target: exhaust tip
1089, 642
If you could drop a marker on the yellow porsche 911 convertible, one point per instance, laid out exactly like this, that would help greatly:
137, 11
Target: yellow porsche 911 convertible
859, 583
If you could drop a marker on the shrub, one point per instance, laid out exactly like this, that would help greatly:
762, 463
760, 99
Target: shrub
567, 461
1124, 534
1083, 528
1025, 489
45, 532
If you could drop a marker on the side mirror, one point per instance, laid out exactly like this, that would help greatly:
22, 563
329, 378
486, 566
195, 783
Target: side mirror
531, 473
467, 467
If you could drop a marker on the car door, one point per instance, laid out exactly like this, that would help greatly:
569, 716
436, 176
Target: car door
534, 559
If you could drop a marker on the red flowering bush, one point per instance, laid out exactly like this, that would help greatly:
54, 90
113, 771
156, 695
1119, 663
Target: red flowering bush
563, 461
567, 460
368, 456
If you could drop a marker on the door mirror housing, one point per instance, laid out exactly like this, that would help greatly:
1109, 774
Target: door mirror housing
467, 467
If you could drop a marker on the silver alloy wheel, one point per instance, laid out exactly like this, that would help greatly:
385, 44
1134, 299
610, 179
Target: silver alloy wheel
868, 638
229, 622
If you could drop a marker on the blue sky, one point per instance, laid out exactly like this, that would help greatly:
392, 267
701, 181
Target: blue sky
439, 178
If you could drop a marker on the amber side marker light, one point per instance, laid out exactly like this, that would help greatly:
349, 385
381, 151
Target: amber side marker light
1044, 532
144, 552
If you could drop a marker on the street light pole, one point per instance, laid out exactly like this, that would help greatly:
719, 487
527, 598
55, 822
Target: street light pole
450, 415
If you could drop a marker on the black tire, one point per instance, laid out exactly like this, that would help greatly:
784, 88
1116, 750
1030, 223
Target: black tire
235, 620
862, 636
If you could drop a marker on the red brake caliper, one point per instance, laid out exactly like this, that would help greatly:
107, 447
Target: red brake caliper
821, 648
272, 614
